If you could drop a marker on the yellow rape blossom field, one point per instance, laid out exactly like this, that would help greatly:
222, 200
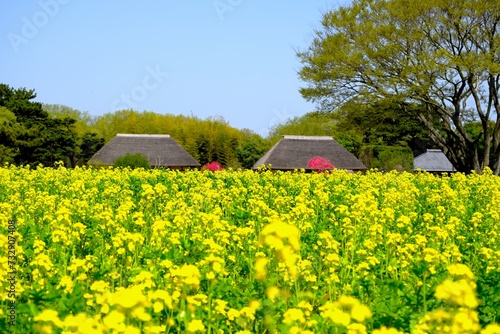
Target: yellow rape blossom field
132, 251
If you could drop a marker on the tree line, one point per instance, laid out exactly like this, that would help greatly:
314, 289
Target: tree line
35, 133
30, 135
380, 134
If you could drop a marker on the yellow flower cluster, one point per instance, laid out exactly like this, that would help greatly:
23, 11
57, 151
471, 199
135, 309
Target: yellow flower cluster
284, 240
459, 292
159, 251
347, 312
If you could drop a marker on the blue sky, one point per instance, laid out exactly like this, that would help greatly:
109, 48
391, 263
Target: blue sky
229, 58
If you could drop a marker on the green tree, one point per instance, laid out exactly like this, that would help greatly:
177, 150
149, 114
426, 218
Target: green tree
384, 123
443, 55
83, 120
386, 131
87, 142
37, 138
386, 158
58, 142
310, 124
9, 131
133, 161
204, 149
251, 149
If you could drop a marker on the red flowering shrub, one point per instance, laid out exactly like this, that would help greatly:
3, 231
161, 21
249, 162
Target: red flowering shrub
213, 166
320, 164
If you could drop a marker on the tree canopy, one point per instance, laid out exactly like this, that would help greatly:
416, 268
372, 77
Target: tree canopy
441, 55
29, 135
35, 133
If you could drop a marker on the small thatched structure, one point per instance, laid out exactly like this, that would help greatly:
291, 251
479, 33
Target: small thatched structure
161, 151
433, 161
295, 152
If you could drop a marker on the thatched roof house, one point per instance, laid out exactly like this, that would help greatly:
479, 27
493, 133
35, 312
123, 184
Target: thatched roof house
295, 152
433, 161
161, 151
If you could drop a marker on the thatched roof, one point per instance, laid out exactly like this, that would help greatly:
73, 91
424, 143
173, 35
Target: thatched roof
294, 152
161, 150
433, 161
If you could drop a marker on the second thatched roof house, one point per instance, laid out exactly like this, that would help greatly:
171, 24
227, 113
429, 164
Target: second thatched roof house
161, 151
433, 161
295, 152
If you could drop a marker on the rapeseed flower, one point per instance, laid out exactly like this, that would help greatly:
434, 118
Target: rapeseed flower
386, 330
188, 275
332, 312
81, 323
360, 312
461, 271
249, 311
144, 279
491, 329
128, 298
272, 293
67, 284
356, 329
99, 286
465, 321
460, 293
232, 314
140, 313
221, 306
51, 316
293, 315
260, 268
115, 320
298, 330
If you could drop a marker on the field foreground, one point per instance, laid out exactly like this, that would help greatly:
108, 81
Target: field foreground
134, 251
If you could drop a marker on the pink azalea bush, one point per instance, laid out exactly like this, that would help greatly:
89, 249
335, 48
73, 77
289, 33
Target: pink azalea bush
213, 166
320, 164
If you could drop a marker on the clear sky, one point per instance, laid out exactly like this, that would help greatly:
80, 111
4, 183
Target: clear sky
229, 58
